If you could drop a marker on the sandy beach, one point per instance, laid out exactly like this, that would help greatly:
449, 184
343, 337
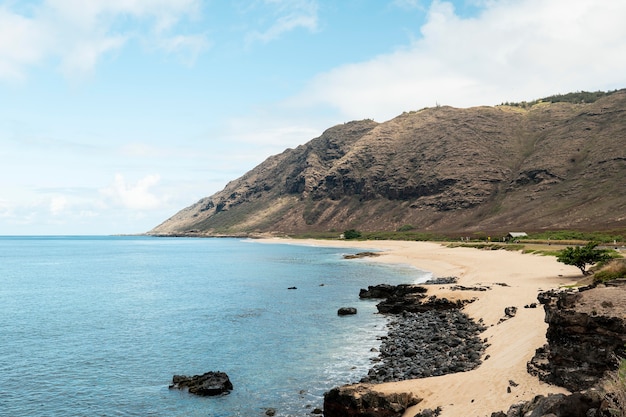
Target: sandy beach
502, 379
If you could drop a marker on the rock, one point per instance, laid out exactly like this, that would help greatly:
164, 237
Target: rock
579, 404
510, 311
387, 291
292, 288
586, 331
208, 384
429, 412
413, 302
442, 281
425, 344
464, 288
317, 411
345, 311
270, 412
361, 255
362, 400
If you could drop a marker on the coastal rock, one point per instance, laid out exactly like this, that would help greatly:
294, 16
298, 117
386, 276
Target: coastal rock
442, 281
510, 311
413, 303
580, 404
361, 255
208, 384
391, 291
407, 297
427, 344
361, 400
346, 311
586, 332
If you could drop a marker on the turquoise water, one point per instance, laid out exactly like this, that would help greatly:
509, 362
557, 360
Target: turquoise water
99, 325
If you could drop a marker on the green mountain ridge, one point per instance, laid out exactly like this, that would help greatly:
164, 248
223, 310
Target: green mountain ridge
549, 165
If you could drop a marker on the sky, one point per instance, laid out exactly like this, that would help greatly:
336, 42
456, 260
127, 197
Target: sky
116, 114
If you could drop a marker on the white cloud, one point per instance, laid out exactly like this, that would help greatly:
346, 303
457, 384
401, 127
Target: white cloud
77, 33
22, 42
513, 50
136, 196
189, 47
58, 205
287, 15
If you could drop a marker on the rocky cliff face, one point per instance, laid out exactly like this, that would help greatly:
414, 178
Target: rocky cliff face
586, 335
555, 165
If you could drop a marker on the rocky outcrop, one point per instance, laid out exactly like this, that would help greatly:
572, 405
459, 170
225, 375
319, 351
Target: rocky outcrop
580, 404
208, 384
423, 340
364, 401
392, 291
586, 333
407, 298
429, 343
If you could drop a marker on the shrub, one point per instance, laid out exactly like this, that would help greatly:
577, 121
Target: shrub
406, 228
351, 234
616, 391
613, 270
581, 256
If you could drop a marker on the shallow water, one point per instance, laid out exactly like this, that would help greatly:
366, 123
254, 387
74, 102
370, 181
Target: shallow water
98, 325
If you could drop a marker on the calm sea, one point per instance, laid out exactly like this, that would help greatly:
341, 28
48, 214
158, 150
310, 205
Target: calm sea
97, 326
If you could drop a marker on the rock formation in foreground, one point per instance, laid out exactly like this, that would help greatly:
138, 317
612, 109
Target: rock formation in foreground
586, 339
443, 169
426, 337
586, 336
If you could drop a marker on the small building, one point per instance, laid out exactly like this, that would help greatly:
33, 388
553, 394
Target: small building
516, 235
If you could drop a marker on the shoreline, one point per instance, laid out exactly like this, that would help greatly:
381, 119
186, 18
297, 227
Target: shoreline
513, 280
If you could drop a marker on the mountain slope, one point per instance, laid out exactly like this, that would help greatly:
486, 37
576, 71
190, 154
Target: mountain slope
551, 166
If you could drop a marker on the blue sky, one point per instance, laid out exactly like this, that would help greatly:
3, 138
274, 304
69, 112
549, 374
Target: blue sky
115, 114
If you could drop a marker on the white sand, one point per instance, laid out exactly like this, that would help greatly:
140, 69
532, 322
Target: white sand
512, 342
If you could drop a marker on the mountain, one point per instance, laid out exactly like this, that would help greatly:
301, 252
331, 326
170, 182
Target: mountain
535, 166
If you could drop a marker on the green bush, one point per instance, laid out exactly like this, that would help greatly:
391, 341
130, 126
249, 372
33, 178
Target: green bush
351, 234
581, 256
406, 228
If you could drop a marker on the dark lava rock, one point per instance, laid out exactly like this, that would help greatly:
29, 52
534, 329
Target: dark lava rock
580, 404
586, 332
360, 401
208, 384
442, 281
414, 303
428, 344
346, 311
361, 255
510, 311
387, 291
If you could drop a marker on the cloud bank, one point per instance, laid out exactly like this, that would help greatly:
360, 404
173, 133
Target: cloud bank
512, 51
75, 34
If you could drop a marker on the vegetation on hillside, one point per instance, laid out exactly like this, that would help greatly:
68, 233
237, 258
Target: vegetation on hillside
579, 97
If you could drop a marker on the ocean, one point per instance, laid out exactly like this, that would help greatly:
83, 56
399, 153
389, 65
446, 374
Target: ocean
97, 326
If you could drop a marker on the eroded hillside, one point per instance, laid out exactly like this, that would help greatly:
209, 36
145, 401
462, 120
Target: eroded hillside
444, 169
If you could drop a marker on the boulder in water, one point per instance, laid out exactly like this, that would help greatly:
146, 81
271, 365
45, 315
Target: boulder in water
208, 384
